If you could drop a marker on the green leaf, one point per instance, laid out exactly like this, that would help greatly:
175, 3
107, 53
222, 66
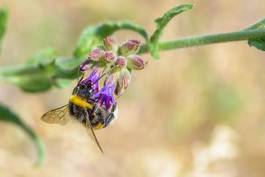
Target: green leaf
42, 71
67, 68
9, 116
3, 21
259, 43
34, 83
43, 57
92, 36
38, 77
161, 23
62, 83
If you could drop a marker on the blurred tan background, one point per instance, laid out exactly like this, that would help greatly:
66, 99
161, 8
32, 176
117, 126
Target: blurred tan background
197, 112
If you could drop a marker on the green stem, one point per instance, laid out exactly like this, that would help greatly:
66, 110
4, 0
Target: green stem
207, 39
193, 41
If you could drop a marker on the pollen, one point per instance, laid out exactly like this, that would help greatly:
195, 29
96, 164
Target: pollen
78, 101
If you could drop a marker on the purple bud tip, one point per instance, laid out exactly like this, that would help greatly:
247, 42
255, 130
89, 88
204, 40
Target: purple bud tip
109, 43
109, 56
136, 62
121, 61
123, 82
85, 65
95, 54
130, 47
132, 43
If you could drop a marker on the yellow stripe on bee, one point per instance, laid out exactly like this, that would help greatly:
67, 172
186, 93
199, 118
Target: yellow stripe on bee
78, 101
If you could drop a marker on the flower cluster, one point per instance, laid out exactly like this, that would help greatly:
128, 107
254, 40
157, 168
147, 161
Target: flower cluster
113, 63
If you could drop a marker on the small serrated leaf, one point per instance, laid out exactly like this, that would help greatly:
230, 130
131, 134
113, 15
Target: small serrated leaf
161, 23
259, 43
7, 115
92, 36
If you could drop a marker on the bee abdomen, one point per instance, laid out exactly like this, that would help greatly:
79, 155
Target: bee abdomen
77, 112
99, 119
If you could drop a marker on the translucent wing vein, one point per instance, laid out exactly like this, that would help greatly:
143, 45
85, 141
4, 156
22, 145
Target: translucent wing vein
57, 116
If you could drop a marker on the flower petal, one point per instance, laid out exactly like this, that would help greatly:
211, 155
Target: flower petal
92, 80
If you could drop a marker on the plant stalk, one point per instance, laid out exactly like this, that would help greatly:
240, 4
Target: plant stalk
163, 46
207, 39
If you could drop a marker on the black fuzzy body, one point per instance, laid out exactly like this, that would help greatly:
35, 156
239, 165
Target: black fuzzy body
98, 116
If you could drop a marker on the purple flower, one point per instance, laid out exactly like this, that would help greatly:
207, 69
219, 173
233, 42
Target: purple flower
105, 96
122, 82
92, 80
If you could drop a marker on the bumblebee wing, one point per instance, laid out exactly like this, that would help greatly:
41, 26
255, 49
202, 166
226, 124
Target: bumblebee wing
89, 126
57, 116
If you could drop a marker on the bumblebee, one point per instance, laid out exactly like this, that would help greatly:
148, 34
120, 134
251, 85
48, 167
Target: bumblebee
85, 109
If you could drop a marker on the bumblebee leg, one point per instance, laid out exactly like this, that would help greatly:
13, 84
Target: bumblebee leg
82, 76
114, 107
94, 110
108, 119
89, 125
92, 115
111, 116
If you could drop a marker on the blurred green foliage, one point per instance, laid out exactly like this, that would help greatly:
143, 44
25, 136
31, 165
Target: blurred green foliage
9, 116
3, 21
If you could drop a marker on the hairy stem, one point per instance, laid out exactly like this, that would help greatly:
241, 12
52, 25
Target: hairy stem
193, 41
208, 39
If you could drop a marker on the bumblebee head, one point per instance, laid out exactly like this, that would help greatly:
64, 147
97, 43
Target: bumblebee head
84, 90
88, 86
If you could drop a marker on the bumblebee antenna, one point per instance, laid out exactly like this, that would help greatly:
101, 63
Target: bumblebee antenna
82, 76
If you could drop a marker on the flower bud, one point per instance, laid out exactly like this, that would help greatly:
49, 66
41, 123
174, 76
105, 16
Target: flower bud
123, 82
136, 62
109, 43
109, 56
95, 54
121, 61
129, 47
85, 65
